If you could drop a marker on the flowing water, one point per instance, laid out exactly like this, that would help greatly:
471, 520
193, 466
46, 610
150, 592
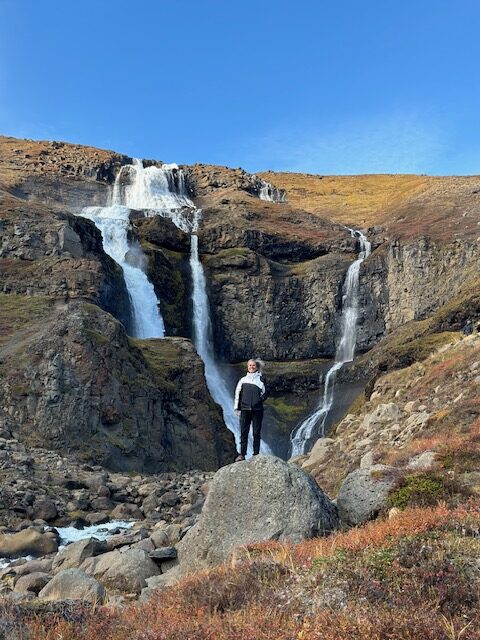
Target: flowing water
162, 191
271, 193
314, 425
114, 224
72, 534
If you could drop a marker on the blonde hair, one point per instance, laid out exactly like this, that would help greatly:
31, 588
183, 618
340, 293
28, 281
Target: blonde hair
260, 363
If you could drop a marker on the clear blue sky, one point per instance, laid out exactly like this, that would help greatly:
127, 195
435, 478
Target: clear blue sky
352, 86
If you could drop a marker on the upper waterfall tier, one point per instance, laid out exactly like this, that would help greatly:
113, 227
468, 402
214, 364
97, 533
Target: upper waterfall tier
155, 190
271, 193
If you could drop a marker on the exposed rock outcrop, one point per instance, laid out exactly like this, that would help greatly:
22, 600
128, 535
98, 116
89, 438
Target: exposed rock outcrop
81, 385
364, 494
73, 584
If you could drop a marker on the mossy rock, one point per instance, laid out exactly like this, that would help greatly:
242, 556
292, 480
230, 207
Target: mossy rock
17, 311
426, 489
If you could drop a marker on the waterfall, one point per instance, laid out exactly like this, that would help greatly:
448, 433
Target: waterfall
203, 340
300, 439
271, 193
162, 191
114, 224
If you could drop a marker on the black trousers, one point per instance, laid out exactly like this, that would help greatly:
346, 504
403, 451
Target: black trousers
255, 418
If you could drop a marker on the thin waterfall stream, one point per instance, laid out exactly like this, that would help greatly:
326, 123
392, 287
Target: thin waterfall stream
301, 438
162, 191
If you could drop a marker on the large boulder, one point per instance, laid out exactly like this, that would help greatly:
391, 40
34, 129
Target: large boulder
122, 571
26, 542
364, 493
263, 498
33, 582
73, 555
73, 584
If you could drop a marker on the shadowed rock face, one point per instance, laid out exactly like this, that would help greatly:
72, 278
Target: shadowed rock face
80, 385
53, 253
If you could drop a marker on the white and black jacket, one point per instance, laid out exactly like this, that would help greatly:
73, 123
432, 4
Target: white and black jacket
250, 393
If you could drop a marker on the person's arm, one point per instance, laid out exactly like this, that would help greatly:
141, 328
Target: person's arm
238, 395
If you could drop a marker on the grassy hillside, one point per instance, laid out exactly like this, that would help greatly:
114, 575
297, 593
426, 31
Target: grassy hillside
445, 208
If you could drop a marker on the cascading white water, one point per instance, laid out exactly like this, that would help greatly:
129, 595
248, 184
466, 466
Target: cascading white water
162, 191
114, 223
203, 340
300, 441
156, 191
271, 193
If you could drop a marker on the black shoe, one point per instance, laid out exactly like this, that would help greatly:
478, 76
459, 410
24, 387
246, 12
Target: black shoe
239, 458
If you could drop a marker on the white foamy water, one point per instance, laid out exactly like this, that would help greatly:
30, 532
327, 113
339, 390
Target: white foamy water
114, 224
99, 531
72, 534
162, 191
271, 193
300, 440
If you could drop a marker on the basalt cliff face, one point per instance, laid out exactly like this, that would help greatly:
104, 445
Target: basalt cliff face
274, 273
72, 380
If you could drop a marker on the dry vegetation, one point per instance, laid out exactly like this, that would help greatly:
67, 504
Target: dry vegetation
444, 208
412, 576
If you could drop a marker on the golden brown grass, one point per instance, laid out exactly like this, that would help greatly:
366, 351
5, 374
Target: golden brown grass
364, 199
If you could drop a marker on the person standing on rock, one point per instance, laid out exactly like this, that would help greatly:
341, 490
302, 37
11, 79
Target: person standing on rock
250, 393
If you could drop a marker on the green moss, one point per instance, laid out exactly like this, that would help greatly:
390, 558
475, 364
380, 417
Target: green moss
228, 253
286, 411
18, 310
97, 337
460, 461
357, 405
423, 489
162, 358
420, 348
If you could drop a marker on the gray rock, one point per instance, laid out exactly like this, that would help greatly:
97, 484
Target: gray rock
33, 582
169, 499
260, 499
174, 533
129, 571
126, 511
159, 538
146, 544
422, 461
98, 517
163, 553
73, 584
126, 538
44, 566
45, 509
73, 555
364, 493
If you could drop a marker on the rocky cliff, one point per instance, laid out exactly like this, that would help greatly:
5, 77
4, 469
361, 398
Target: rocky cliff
78, 383
274, 271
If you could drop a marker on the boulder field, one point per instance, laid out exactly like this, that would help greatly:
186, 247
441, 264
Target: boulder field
260, 499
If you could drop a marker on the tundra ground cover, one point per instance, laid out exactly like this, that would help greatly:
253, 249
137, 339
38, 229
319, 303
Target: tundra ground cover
415, 575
